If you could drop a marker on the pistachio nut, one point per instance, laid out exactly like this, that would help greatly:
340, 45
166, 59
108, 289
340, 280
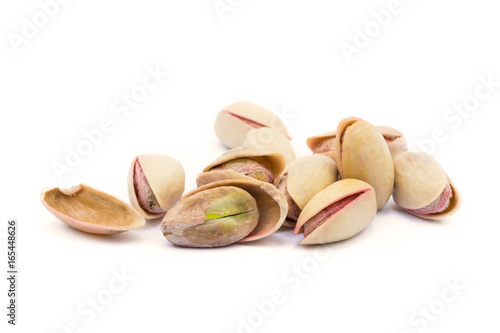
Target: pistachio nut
243, 162
270, 139
325, 143
87, 209
224, 212
338, 212
422, 188
302, 179
236, 119
362, 153
155, 184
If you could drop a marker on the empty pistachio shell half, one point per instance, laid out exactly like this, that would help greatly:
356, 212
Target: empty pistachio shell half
241, 163
272, 140
422, 188
325, 143
362, 153
395, 139
236, 119
209, 203
338, 212
302, 179
87, 209
155, 184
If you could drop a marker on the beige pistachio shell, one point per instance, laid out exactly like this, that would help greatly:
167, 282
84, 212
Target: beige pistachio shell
308, 175
362, 153
341, 219
166, 178
271, 203
236, 119
323, 144
275, 162
395, 139
87, 209
270, 139
420, 181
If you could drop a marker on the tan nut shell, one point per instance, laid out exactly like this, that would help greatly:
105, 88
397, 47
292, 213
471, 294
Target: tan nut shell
347, 222
323, 144
87, 209
362, 153
272, 140
271, 204
419, 180
309, 175
231, 131
273, 161
396, 141
166, 178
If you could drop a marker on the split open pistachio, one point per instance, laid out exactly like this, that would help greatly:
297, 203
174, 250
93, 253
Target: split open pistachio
87, 209
422, 188
235, 120
270, 139
225, 212
155, 184
302, 179
242, 163
362, 153
338, 212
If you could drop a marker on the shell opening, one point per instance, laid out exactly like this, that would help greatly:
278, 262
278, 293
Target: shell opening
327, 212
145, 196
439, 205
247, 121
248, 167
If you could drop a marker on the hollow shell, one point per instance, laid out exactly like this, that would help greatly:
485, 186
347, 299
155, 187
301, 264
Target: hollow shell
160, 180
271, 204
272, 140
275, 162
235, 120
362, 153
323, 144
419, 182
338, 212
87, 209
395, 140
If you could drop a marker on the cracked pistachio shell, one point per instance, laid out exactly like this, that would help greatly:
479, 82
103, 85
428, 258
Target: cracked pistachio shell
362, 153
395, 139
323, 144
214, 217
419, 181
271, 204
235, 120
305, 177
270, 139
87, 209
162, 182
338, 212
275, 162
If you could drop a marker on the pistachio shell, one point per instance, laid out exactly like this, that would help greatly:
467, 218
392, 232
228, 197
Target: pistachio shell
395, 139
420, 181
323, 144
362, 153
270, 139
213, 217
339, 212
236, 119
271, 204
275, 162
87, 209
165, 178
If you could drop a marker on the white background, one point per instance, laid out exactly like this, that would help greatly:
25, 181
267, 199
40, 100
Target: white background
285, 55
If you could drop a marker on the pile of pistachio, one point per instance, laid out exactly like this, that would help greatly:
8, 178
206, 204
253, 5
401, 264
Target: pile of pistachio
258, 186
